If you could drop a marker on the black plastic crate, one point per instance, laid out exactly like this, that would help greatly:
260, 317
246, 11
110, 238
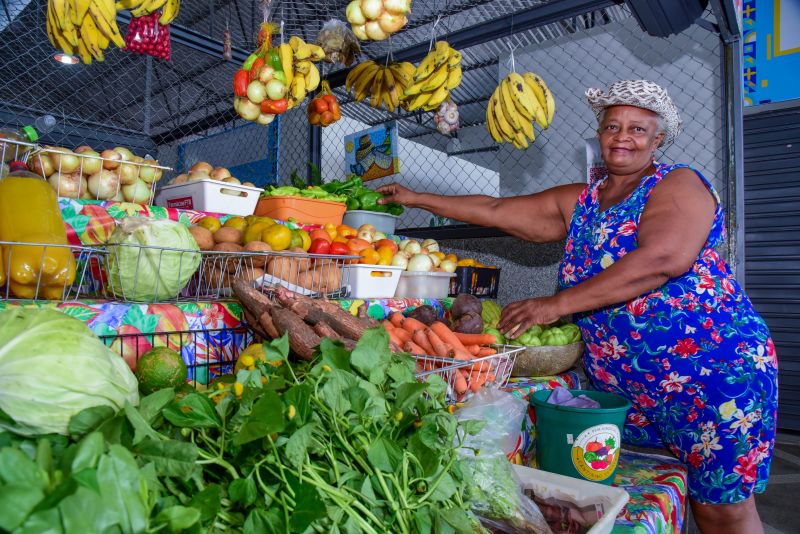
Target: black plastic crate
479, 281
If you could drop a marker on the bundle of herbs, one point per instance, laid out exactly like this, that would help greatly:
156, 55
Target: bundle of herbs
349, 443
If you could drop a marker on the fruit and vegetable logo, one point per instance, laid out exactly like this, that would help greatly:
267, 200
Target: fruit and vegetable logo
596, 451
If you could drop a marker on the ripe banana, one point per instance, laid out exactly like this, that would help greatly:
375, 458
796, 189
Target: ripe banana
87, 26
355, 72
302, 76
437, 74
312, 78
518, 101
375, 97
385, 85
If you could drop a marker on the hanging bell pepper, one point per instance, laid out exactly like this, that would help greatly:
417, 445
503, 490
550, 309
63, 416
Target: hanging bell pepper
240, 81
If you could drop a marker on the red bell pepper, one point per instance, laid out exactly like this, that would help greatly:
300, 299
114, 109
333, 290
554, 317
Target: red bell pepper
256, 68
240, 81
339, 249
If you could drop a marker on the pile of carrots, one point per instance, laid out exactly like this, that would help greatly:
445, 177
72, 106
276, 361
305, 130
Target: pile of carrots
410, 335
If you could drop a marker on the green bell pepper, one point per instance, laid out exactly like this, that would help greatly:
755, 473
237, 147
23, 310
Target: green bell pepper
369, 199
353, 203
394, 208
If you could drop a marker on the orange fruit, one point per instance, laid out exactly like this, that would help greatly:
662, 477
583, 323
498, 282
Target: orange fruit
369, 256
385, 255
278, 236
211, 224
236, 222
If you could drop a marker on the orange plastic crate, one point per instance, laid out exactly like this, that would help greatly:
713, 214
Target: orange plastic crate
304, 210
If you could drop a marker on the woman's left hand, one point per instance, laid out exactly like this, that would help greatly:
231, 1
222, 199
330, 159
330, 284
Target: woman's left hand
517, 317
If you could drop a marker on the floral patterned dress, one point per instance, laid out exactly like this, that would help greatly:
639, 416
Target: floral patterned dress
693, 356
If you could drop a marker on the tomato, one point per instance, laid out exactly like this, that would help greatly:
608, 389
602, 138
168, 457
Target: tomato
274, 107
255, 68
240, 81
386, 243
314, 118
330, 99
357, 244
340, 249
320, 246
319, 105
326, 118
319, 233
337, 113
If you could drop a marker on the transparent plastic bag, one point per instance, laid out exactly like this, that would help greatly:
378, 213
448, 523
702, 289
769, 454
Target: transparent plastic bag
493, 489
146, 35
339, 43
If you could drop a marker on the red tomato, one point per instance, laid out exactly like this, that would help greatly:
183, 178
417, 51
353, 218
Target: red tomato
240, 81
340, 249
337, 113
326, 118
255, 69
275, 107
319, 105
320, 246
330, 99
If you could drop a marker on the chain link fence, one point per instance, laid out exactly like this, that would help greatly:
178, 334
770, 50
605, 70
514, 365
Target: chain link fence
181, 110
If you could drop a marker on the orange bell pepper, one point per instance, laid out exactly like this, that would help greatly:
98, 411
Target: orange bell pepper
331, 229
343, 231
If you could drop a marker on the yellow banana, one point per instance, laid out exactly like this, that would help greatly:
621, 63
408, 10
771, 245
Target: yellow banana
375, 92
437, 79
436, 99
490, 123
521, 141
354, 73
105, 25
425, 67
500, 120
526, 101
170, 11
302, 67
455, 59
418, 101
507, 107
81, 7
536, 88
298, 88
84, 53
415, 88
364, 82
550, 103
300, 48
286, 56
441, 53
317, 53
454, 78
390, 86
312, 78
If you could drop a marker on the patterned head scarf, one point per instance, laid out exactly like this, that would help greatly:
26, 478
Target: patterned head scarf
641, 94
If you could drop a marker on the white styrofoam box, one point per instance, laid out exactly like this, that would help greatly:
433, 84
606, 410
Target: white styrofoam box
383, 222
607, 500
423, 285
210, 196
371, 281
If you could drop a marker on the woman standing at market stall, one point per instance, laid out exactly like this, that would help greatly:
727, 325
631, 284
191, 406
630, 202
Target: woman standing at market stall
665, 323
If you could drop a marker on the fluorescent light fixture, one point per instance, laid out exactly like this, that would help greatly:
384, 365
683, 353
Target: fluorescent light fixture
66, 59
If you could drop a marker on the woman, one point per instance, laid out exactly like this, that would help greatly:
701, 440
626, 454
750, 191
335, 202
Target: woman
664, 321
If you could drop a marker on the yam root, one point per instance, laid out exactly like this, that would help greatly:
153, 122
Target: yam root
302, 338
269, 327
252, 299
253, 323
324, 330
316, 310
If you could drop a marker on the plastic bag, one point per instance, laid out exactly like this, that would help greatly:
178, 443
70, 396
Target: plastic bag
339, 43
146, 35
493, 489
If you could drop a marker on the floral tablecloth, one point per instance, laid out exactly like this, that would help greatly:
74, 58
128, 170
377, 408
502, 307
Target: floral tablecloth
380, 309
656, 484
205, 333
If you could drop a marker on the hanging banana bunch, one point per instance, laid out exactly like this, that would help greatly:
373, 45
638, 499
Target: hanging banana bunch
519, 101
139, 8
434, 78
83, 27
383, 84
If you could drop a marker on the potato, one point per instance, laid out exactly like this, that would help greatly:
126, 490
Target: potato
323, 278
288, 268
251, 273
203, 236
228, 235
258, 246
215, 279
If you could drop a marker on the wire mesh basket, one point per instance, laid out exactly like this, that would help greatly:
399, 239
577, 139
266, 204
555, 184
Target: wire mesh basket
48, 271
207, 353
86, 175
464, 378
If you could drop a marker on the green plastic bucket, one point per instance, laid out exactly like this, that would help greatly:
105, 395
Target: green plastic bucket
580, 442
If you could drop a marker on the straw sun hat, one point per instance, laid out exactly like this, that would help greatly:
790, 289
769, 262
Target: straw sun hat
641, 94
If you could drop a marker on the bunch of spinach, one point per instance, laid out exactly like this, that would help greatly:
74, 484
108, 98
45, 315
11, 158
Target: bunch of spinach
353, 443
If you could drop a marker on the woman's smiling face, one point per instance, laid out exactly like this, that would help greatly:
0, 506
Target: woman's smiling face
628, 137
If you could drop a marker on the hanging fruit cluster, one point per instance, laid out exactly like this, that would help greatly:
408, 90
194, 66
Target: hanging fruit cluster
275, 79
146, 35
376, 20
383, 84
518, 102
434, 78
324, 109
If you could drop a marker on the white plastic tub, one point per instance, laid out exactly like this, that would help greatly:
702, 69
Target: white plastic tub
371, 281
608, 501
383, 222
415, 285
210, 196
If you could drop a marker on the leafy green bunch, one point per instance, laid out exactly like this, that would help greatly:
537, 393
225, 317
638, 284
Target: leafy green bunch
351, 443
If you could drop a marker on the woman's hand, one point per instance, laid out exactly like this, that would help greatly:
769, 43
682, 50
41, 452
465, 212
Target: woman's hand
396, 193
517, 317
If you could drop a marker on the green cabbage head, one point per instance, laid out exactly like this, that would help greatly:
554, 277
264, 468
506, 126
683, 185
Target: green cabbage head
52, 367
137, 272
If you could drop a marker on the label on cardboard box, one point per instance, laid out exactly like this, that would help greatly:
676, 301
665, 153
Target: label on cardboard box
184, 203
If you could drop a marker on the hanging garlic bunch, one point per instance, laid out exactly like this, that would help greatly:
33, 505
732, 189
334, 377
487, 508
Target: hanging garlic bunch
446, 118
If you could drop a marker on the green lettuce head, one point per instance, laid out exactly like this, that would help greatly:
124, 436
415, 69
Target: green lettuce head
52, 367
151, 260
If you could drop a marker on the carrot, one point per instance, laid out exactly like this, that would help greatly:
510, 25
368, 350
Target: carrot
387, 325
396, 319
402, 334
439, 346
421, 339
460, 382
486, 351
447, 335
411, 325
473, 349
393, 337
413, 348
476, 384
475, 339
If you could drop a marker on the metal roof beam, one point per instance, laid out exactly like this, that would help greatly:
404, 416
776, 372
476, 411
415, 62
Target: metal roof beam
491, 30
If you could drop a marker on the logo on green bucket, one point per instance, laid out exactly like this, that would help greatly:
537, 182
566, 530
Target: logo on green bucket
595, 452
